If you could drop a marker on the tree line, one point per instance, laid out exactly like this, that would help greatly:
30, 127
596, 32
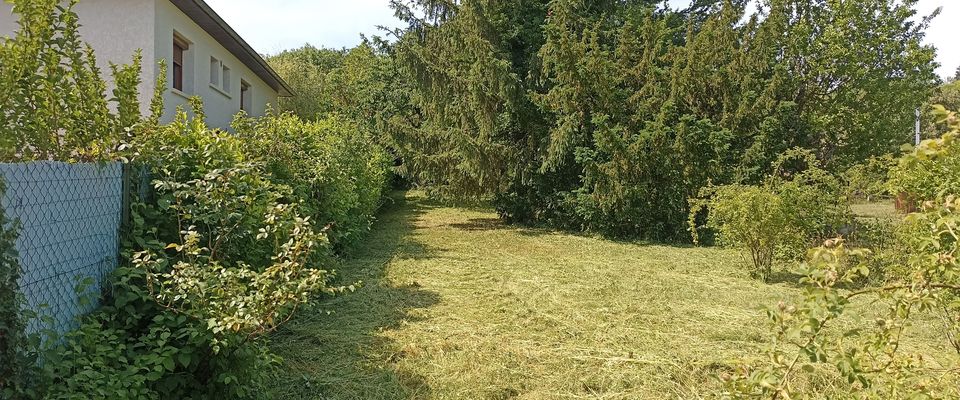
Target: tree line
607, 116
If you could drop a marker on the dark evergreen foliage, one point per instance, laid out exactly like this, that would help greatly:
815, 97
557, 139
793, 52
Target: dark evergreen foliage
607, 115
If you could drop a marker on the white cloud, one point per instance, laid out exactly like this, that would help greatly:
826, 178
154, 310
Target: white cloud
272, 26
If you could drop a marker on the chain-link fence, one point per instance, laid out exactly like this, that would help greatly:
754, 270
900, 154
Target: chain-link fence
69, 217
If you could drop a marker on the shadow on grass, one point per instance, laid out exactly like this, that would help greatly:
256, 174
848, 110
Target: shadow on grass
462, 204
785, 277
482, 224
497, 224
343, 354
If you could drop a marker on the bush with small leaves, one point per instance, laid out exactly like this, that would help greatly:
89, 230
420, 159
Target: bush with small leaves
333, 166
868, 181
749, 217
795, 208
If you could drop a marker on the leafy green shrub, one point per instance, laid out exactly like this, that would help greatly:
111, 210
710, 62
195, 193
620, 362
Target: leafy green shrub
868, 181
180, 157
873, 358
752, 218
55, 107
932, 172
796, 207
52, 94
814, 198
236, 252
134, 348
218, 258
217, 254
332, 165
209, 278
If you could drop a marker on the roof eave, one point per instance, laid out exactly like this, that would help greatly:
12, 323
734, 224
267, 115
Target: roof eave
278, 84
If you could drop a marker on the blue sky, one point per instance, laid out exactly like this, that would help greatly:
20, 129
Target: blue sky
272, 26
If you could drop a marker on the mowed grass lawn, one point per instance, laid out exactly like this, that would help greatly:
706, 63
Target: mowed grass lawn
455, 305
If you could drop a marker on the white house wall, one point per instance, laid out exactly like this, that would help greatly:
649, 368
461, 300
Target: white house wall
219, 106
8, 23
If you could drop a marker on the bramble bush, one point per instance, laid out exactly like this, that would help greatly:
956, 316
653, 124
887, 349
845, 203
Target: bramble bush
798, 205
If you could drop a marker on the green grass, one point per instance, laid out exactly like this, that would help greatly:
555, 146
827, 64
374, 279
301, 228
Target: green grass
877, 209
456, 305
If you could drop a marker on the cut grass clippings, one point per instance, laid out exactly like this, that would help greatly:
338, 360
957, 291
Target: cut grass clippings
456, 305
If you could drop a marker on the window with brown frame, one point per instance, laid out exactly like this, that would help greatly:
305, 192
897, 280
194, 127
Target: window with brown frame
178, 49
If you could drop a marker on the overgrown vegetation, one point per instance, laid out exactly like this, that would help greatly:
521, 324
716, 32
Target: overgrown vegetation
876, 359
218, 257
608, 116
629, 119
54, 108
333, 165
229, 240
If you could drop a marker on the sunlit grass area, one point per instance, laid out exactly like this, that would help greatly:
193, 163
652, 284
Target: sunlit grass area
877, 209
456, 305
